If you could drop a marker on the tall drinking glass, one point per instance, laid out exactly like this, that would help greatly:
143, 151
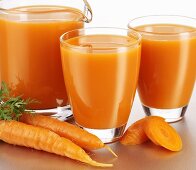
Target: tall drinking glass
29, 49
101, 67
168, 64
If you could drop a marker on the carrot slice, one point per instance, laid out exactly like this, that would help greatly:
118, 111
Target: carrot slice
161, 133
135, 134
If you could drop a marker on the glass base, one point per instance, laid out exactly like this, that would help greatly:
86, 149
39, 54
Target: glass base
170, 115
107, 135
61, 113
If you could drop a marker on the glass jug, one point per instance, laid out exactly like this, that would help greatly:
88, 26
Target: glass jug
30, 61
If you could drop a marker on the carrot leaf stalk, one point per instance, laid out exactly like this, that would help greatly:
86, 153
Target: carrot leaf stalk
11, 108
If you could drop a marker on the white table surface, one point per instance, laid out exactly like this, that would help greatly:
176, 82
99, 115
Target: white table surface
141, 157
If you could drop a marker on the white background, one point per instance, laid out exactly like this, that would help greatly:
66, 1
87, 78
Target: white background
117, 13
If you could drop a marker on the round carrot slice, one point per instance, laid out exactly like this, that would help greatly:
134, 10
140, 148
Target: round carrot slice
161, 133
134, 134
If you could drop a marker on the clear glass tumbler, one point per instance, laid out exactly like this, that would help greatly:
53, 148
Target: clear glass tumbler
29, 49
101, 68
168, 64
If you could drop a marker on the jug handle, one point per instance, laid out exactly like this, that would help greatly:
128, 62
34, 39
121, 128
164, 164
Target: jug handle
87, 12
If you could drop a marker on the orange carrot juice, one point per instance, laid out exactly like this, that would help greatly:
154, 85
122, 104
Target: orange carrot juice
101, 73
30, 53
168, 65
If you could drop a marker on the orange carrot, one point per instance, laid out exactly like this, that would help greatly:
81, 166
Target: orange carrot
79, 136
21, 134
161, 133
135, 134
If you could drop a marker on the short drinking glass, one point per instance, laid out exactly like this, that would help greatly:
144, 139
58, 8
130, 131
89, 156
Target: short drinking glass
168, 64
101, 68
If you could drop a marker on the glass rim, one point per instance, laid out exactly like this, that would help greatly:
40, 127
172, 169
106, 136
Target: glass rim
60, 9
158, 33
84, 11
134, 33
16, 10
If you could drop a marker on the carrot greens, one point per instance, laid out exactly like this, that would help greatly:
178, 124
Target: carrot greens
11, 107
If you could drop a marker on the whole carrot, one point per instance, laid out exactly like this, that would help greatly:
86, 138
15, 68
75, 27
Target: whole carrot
79, 136
21, 134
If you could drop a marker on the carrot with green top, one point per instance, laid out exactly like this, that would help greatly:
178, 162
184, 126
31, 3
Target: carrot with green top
79, 136
17, 133
21, 134
15, 106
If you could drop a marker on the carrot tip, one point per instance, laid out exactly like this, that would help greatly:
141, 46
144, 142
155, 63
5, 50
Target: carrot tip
110, 150
94, 163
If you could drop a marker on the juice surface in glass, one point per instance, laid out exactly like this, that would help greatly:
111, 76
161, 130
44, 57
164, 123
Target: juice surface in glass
101, 79
168, 65
30, 53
